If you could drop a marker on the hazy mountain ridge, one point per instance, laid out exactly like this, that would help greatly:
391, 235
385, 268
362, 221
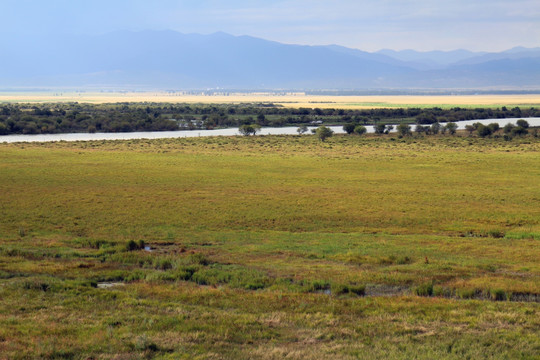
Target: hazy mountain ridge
431, 59
170, 59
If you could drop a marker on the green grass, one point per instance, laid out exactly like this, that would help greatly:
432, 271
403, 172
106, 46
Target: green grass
271, 247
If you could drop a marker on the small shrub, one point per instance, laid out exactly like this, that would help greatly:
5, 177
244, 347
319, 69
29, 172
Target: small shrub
199, 259
359, 290
199, 279
144, 344
488, 267
388, 260
133, 246
318, 285
36, 285
402, 260
96, 244
354, 258
442, 292
497, 294
5, 275
162, 264
340, 289
496, 234
466, 293
424, 290
256, 284
160, 276
135, 275
185, 273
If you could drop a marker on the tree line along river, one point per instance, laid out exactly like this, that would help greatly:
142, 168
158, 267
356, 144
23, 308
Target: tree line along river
533, 122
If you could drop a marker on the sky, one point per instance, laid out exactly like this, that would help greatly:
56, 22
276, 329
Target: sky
369, 25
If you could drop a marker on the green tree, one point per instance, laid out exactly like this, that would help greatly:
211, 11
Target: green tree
3, 129
519, 131
470, 129
323, 133
483, 130
419, 129
250, 129
380, 128
523, 123
426, 118
349, 128
261, 120
494, 127
404, 129
360, 130
302, 129
435, 128
508, 128
451, 127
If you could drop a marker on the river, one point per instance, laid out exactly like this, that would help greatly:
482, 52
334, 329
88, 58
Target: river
220, 132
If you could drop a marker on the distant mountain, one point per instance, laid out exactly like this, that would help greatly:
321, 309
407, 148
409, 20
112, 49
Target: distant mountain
171, 59
431, 59
516, 53
168, 59
497, 74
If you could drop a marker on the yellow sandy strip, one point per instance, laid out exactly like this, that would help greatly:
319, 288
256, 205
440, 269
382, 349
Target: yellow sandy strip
289, 100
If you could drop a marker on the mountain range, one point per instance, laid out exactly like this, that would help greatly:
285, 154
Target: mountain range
172, 60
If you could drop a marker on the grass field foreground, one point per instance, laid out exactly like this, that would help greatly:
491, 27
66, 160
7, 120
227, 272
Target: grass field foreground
271, 247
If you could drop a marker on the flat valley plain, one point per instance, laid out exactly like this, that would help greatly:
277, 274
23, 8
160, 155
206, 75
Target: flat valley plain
271, 247
286, 99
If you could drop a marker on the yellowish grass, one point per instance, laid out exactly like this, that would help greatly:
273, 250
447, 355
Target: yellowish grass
287, 212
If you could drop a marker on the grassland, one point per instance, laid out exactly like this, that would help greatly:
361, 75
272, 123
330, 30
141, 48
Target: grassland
271, 247
295, 100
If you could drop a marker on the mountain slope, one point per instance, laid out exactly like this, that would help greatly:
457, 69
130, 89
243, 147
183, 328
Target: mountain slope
172, 59
168, 59
512, 54
431, 59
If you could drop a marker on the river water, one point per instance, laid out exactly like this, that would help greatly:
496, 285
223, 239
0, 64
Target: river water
221, 132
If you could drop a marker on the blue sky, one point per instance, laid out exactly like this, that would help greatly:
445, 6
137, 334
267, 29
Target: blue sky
479, 25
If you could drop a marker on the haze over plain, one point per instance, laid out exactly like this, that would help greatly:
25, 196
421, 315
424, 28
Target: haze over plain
154, 45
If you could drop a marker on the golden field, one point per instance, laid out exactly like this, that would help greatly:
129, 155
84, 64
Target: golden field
289, 100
